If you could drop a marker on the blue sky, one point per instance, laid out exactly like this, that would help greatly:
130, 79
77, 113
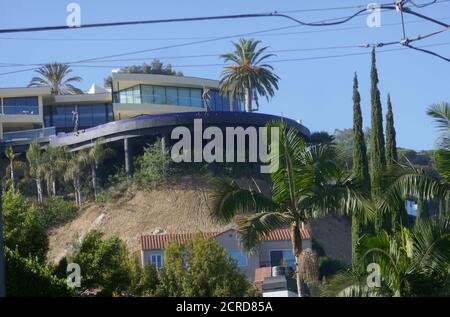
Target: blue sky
318, 92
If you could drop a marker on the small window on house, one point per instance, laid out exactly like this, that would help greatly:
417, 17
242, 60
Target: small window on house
156, 259
239, 256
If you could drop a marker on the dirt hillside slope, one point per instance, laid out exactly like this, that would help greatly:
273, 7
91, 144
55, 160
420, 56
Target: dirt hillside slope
177, 208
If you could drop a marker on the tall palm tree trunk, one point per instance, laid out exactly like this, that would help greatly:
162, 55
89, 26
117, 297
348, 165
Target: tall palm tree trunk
75, 192
94, 180
54, 188
248, 98
39, 190
297, 248
12, 177
78, 191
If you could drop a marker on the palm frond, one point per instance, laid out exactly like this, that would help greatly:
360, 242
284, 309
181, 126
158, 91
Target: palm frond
229, 199
252, 228
348, 284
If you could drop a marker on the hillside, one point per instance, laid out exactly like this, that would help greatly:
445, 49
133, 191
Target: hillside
174, 208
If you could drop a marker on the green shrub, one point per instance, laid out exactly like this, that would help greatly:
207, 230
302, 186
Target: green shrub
104, 263
23, 228
208, 271
144, 280
103, 197
329, 266
56, 211
27, 277
154, 166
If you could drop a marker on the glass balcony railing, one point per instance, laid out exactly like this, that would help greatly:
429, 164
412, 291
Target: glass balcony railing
27, 135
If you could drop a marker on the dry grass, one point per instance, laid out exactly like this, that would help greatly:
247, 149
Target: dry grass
179, 207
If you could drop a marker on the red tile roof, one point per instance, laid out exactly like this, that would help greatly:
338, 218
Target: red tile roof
159, 241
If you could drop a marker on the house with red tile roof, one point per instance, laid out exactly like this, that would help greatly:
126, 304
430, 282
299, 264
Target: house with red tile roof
275, 248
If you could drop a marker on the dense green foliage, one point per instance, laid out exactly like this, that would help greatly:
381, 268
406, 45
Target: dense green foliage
412, 263
154, 166
201, 268
26, 277
155, 67
23, 230
360, 162
391, 144
329, 266
56, 211
377, 149
104, 263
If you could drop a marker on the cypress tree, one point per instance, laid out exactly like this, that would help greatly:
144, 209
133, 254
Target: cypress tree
399, 216
360, 164
391, 144
377, 150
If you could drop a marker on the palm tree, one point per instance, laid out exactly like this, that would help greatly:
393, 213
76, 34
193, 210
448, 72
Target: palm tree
93, 157
36, 171
441, 114
411, 263
308, 184
54, 160
248, 77
14, 164
73, 172
55, 75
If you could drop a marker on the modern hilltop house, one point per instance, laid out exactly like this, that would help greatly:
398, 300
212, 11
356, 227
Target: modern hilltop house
134, 111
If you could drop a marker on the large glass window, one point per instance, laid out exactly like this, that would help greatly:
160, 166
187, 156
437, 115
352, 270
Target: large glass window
147, 94
160, 95
184, 97
24, 105
89, 115
85, 115
196, 98
172, 95
239, 256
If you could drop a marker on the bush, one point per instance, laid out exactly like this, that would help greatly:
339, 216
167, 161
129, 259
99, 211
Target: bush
329, 266
154, 166
103, 197
23, 229
104, 263
144, 280
207, 271
26, 277
56, 211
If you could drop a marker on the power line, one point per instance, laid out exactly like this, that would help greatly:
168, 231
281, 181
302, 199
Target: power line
304, 49
428, 52
265, 33
184, 44
271, 61
218, 17
320, 23
172, 20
